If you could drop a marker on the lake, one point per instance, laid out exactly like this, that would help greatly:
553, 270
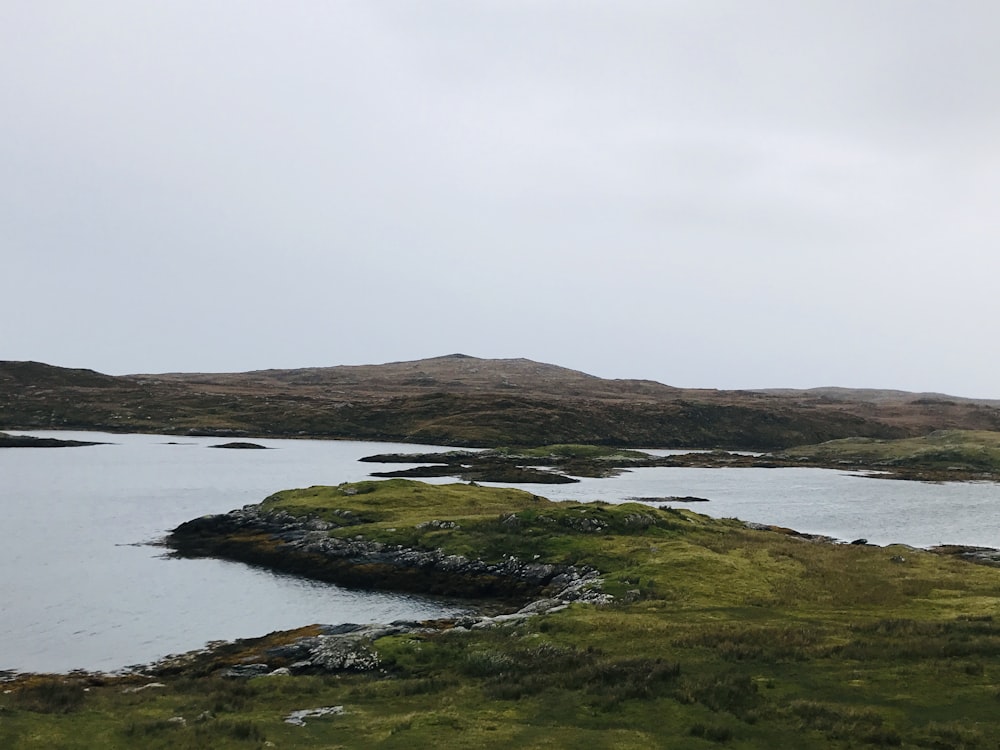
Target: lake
83, 587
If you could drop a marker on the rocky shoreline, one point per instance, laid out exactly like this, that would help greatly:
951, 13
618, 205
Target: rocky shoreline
303, 546
520, 467
348, 647
26, 441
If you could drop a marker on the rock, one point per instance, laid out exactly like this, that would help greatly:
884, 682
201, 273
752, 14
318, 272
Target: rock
542, 606
860, 541
140, 688
299, 650
298, 718
24, 441
242, 671
438, 525
492, 622
342, 629
666, 499
338, 653
241, 446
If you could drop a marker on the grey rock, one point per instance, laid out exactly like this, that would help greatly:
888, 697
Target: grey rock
242, 671
298, 718
542, 606
140, 688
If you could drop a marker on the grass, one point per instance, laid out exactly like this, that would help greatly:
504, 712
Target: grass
720, 636
940, 454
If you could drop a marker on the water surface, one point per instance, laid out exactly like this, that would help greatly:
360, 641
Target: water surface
82, 589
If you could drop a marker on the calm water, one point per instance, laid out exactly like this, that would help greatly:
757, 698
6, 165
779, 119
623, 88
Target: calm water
819, 501
81, 589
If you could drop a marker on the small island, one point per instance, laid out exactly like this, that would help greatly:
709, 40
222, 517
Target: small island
548, 464
26, 441
943, 455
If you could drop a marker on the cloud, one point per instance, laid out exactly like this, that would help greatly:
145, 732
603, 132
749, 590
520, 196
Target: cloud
705, 193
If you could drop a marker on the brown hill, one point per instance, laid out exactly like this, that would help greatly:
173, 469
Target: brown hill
462, 400
454, 373
917, 413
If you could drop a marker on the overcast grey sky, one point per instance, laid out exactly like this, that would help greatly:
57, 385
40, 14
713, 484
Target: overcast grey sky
706, 193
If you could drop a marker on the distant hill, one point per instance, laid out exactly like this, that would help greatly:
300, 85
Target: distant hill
875, 396
463, 400
454, 373
40, 375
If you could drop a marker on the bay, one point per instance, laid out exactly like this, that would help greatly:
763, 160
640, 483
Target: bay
82, 588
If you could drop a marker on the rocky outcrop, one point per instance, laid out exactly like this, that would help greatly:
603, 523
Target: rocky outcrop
666, 499
350, 647
981, 555
298, 718
304, 546
25, 441
482, 473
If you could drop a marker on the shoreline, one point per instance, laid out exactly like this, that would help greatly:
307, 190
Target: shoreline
499, 594
707, 458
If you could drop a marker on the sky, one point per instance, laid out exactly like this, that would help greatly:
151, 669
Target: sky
707, 193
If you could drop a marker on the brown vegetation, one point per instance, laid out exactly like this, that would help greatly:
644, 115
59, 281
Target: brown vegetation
460, 400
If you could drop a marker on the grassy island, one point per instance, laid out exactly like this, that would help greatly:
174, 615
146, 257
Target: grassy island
715, 635
548, 464
942, 455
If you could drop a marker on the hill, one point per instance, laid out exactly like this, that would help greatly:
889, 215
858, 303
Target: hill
462, 400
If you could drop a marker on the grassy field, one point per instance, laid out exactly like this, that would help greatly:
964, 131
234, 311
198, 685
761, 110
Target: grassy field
719, 636
939, 455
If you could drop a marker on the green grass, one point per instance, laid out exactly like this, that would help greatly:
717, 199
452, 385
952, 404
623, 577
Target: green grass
720, 636
942, 451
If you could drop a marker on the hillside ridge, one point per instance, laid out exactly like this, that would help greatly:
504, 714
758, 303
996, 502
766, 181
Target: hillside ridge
462, 400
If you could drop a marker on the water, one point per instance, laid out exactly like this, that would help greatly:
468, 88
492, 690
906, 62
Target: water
819, 501
81, 589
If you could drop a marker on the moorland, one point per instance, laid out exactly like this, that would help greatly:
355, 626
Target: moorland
707, 634
466, 401
616, 626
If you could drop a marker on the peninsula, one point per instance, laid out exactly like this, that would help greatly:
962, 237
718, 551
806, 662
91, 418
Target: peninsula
629, 626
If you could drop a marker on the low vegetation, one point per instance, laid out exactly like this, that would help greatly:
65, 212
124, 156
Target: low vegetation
941, 455
23, 441
453, 400
944, 455
548, 464
719, 636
